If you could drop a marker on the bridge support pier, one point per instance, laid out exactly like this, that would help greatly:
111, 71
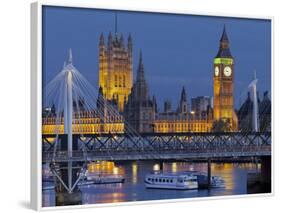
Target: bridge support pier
260, 182
64, 197
161, 165
209, 172
67, 175
266, 173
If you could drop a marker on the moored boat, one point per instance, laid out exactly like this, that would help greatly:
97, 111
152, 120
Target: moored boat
100, 179
217, 182
202, 178
102, 172
171, 181
94, 178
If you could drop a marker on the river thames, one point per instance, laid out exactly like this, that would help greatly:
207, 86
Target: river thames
234, 175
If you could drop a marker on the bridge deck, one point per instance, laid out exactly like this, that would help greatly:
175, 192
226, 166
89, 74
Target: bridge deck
161, 146
153, 155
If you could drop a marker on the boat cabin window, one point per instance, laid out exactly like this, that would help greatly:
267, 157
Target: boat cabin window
180, 180
165, 180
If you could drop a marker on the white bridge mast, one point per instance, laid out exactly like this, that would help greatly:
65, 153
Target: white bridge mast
255, 115
68, 110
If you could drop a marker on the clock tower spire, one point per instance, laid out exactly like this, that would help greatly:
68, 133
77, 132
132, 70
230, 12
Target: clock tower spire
223, 84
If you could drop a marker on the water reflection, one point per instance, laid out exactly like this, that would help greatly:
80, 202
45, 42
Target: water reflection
174, 167
234, 175
134, 172
104, 167
156, 167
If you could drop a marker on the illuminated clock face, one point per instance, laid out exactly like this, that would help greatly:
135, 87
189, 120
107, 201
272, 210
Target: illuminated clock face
227, 71
217, 71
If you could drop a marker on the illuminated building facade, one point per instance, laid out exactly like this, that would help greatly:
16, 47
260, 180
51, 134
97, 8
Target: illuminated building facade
86, 122
182, 124
182, 119
115, 68
223, 84
99, 120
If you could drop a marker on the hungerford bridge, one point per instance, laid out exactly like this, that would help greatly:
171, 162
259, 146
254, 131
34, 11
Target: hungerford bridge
68, 152
152, 146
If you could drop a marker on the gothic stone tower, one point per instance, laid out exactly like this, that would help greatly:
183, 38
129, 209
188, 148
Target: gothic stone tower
183, 105
141, 109
223, 83
115, 69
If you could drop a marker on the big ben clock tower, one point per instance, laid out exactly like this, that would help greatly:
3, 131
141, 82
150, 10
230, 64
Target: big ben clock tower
223, 84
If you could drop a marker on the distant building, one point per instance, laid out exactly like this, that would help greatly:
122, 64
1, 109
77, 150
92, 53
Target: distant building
245, 114
167, 106
200, 104
182, 119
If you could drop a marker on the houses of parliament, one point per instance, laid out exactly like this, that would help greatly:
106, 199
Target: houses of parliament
138, 110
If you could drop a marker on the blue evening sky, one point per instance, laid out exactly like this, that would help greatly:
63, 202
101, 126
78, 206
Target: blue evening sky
178, 50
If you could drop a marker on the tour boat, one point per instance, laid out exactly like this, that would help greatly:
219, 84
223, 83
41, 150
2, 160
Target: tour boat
171, 181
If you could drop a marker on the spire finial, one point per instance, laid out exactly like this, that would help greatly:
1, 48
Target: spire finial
224, 36
140, 73
70, 56
101, 39
183, 94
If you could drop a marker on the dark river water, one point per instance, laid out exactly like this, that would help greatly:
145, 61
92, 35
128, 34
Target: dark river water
234, 175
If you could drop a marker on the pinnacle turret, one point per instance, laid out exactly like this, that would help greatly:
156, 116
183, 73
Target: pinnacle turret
183, 95
101, 39
140, 73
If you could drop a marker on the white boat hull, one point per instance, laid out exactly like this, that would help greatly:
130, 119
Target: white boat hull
156, 186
